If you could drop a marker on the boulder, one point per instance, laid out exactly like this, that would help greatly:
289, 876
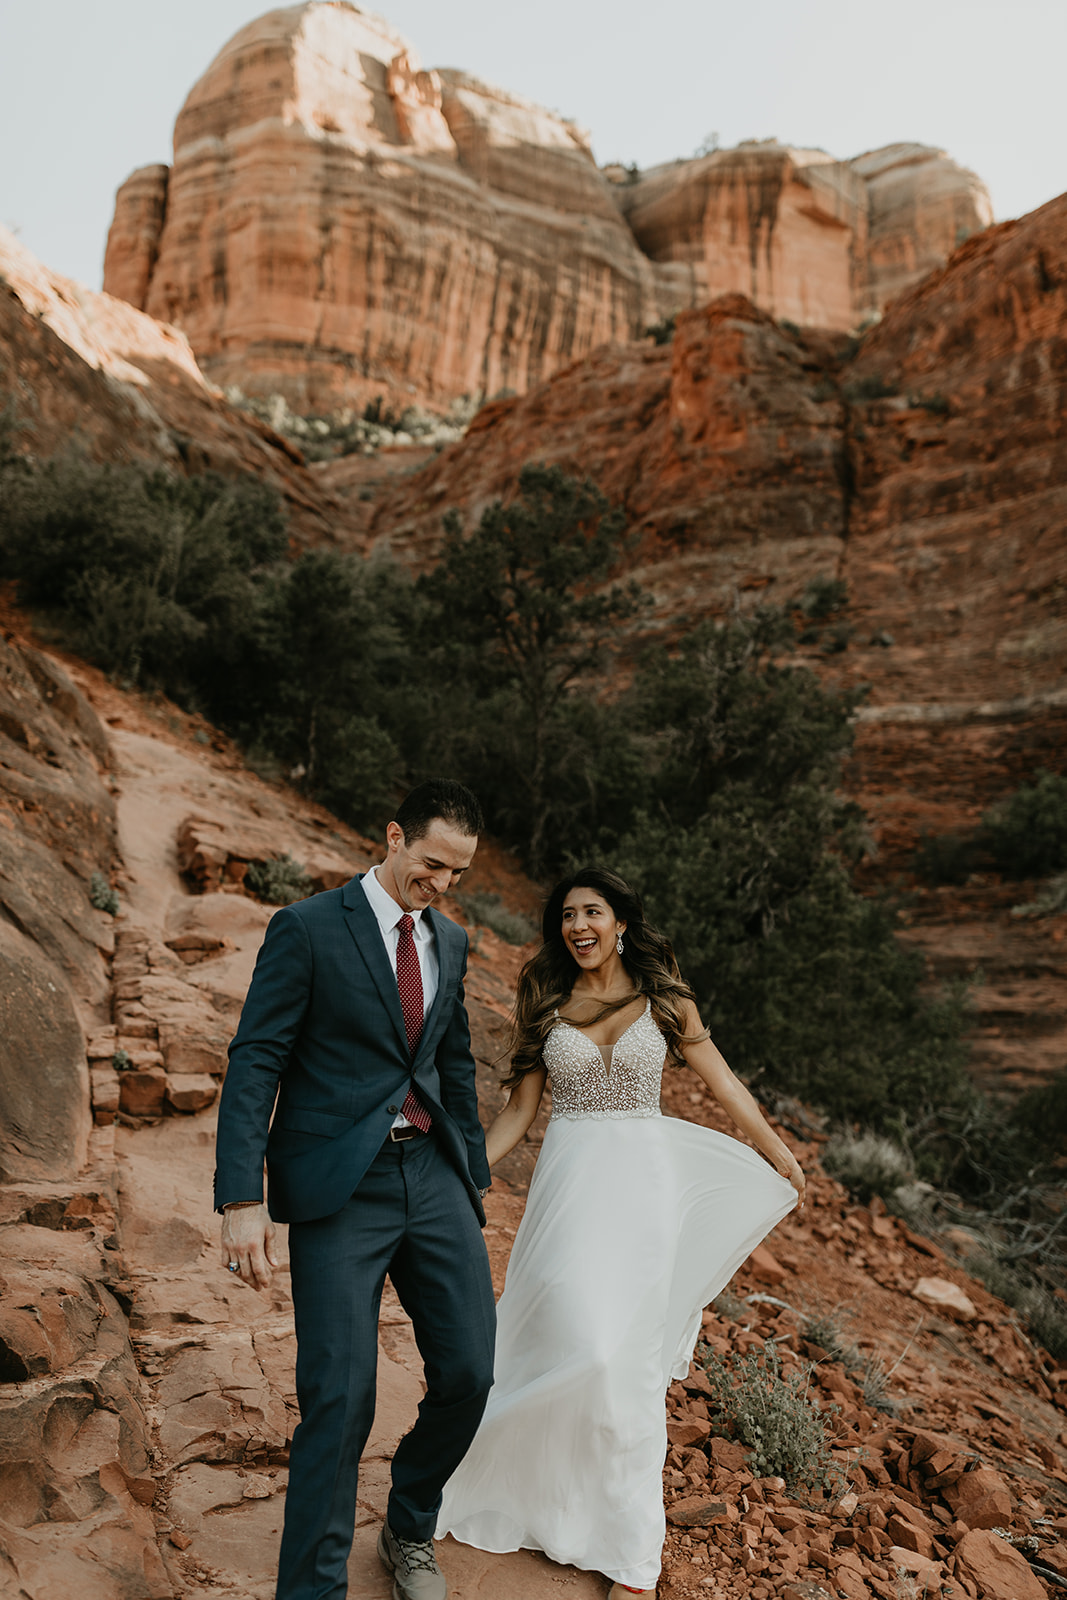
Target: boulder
948, 1298
997, 1570
981, 1499
193, 1091
142, 1091
44, 1079
696, 1512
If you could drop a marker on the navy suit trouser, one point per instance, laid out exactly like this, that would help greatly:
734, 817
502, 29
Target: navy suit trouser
410, 1217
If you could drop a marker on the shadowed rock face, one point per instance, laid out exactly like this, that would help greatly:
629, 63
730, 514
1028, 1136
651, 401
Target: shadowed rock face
339, 224
44, 1084
86, 366
57, 828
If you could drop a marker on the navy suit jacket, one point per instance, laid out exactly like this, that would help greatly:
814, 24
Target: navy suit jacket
322, 1033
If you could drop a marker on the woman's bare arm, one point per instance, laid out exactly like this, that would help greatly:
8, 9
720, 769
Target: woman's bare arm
509, 1126
739, 1104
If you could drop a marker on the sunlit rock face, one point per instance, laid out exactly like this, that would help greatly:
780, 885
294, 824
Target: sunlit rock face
922, 206
339, 224
787, 228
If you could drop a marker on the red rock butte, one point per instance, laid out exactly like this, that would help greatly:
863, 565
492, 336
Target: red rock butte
339, 223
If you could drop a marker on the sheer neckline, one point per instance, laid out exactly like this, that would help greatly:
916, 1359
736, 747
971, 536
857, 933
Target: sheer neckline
607, 1060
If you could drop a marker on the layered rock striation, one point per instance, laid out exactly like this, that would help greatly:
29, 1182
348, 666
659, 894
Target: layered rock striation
75, 364
339, 223
339, 220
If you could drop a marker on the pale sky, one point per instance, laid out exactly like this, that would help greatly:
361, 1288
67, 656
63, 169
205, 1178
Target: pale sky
88, 91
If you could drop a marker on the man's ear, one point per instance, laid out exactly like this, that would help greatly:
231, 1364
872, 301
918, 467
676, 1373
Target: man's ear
394, 835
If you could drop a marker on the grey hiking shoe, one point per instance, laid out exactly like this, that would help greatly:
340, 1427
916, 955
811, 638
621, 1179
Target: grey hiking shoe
416, 1575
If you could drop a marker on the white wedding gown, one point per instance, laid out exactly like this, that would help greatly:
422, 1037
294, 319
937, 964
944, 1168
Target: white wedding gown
634, 1222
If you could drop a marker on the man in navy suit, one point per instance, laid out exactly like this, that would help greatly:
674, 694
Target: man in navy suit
354, 1034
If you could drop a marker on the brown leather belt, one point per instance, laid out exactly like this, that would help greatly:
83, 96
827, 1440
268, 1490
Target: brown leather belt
403, 1135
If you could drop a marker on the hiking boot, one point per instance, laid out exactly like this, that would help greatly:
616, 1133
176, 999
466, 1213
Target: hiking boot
416, 1575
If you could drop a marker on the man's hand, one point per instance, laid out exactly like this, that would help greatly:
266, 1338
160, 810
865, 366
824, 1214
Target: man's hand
248, 1237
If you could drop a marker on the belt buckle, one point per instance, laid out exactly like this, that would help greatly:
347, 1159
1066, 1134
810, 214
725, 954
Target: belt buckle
402, 1135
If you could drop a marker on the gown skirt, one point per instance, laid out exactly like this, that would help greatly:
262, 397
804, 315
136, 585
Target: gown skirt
632, 1225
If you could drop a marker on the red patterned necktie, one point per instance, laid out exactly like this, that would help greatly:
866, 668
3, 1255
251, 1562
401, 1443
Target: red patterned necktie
409, 982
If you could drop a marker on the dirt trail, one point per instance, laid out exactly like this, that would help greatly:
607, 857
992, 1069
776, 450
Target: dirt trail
217, 1359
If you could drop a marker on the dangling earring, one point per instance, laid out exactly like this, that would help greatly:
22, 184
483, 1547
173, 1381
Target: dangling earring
618, 944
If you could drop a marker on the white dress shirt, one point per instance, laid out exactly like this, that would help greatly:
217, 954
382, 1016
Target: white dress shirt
388, 915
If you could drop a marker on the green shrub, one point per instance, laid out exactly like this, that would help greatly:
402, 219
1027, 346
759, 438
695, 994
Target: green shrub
1045, 1315
1051, 901
935, 403
872, 387
827, 1329
944, 858
490, 911
774, 1416
661, 332
823, 596
279, 881
867, 1164
1027, 833
102, 896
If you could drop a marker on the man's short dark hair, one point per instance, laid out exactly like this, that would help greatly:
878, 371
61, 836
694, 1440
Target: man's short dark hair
440, 799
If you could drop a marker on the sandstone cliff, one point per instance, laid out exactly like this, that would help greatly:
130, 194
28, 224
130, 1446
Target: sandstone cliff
340, 224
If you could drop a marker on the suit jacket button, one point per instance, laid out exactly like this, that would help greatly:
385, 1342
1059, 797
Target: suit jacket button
392, 1110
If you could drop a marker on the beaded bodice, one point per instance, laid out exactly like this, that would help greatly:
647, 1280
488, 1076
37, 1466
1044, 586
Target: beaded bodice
584, 1084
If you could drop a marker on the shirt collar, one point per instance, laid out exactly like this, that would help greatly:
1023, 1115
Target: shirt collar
383, 905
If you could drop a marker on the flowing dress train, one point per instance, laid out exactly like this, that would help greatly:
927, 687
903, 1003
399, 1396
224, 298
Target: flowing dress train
634, 1222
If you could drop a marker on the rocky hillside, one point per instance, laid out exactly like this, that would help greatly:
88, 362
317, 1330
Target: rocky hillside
76, 366
339, 224
146, 1400
926, 470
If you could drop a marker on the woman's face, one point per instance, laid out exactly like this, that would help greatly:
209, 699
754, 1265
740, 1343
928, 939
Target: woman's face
590, 929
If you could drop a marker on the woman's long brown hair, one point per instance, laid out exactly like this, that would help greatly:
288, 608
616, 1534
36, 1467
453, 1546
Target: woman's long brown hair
547, 979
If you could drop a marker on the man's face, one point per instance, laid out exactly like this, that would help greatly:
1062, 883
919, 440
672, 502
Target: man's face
416, 873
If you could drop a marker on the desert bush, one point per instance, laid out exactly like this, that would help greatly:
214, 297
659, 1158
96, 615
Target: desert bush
774, 1416
945, 858
102, 896
279, 881
828, 1330
1045, 1316
661, 332
867, 1164
491, 912
1027, 833
871, 387
1050, 902
823, 596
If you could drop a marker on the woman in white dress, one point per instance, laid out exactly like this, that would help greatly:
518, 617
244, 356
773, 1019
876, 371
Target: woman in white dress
634, 1222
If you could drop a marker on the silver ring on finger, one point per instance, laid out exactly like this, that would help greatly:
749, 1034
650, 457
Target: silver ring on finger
234, 1266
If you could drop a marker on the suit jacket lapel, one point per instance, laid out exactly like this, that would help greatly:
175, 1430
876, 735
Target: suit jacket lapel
362, 924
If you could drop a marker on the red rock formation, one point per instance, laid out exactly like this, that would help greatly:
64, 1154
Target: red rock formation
786, 227
922, 208
956, 524
339, 223
77, 363
717, 446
